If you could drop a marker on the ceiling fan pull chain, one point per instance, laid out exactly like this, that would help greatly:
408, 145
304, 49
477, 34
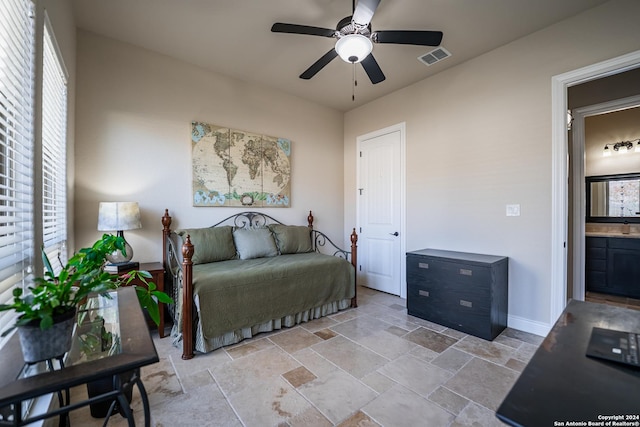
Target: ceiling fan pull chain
355, 83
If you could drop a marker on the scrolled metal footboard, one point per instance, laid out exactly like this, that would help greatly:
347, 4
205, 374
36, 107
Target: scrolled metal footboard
323, 244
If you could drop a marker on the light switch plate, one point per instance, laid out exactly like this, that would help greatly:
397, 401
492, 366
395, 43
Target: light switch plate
513, 210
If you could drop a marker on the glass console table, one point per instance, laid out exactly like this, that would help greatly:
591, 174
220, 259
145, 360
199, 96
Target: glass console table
111, 341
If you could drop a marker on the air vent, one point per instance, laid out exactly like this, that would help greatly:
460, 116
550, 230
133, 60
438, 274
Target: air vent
434, 56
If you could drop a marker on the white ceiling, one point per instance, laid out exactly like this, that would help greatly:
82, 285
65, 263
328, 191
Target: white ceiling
233, 37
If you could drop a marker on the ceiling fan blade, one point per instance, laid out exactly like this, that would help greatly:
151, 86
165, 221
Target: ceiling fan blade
280, 27
421, 38
319, 64
364, 11
373, 69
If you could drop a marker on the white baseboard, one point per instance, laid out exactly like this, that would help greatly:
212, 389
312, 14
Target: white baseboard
528, 325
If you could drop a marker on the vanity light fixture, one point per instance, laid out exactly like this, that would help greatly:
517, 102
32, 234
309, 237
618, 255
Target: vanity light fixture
622, 147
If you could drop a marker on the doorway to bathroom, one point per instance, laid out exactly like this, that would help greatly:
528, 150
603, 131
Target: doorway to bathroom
605, 170
566, 242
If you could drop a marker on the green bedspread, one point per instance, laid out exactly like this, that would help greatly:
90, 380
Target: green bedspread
235, 294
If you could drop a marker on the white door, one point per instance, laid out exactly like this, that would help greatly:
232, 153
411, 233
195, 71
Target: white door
380, 210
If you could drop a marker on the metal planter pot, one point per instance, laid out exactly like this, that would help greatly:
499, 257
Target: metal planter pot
38, 344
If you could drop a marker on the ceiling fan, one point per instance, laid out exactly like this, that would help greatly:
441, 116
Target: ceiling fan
355, 39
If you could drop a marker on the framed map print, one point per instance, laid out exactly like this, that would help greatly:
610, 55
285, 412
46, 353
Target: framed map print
236, 168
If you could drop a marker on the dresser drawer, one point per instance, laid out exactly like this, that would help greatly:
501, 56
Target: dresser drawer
467, 299
446, 289
464, 315
443, 271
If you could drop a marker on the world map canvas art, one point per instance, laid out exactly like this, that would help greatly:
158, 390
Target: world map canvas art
237, 168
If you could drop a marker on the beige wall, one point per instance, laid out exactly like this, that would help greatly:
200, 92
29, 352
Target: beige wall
608, 129
479, 137
616, 86
133, 127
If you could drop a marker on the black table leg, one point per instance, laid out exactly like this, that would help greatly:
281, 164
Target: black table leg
145, 399
124, 407
65, 400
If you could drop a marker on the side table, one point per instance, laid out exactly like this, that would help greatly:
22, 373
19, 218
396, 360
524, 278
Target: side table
123, 347
156, 269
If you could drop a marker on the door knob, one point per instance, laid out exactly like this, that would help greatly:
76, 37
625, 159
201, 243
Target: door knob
394, 234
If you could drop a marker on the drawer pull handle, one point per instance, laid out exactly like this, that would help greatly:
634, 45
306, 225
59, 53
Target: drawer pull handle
423, 293
466, 272
466, 303
423, 265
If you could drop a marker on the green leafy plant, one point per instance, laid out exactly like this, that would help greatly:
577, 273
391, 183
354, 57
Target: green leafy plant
83, 274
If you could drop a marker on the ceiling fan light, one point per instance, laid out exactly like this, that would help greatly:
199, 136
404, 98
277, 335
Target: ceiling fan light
353, 48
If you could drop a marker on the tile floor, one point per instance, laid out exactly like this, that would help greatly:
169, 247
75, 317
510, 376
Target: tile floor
370, 366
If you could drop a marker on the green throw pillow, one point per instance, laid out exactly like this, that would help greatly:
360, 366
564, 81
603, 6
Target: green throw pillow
292, 239
254, 243
211, 244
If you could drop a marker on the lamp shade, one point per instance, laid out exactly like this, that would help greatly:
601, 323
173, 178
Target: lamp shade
118, 216
353, 48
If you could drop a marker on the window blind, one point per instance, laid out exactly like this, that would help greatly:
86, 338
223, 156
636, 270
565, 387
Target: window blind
17, 37
54, 148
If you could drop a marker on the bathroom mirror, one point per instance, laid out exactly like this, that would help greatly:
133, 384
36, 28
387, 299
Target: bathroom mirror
613, 198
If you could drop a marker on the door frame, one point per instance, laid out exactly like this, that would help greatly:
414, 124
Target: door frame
578, 163
559, 168
401, 127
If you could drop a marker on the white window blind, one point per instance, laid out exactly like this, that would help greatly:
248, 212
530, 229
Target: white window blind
54, 148
16, 148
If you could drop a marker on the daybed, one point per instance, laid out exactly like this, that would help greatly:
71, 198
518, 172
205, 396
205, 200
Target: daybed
250, 273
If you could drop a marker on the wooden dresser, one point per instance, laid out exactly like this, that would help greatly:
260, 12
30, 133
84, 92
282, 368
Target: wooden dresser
463, 291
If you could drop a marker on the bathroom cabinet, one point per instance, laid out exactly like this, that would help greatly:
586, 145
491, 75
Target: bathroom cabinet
612, 266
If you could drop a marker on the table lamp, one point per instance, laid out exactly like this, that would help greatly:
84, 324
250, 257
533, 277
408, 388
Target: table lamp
119, 216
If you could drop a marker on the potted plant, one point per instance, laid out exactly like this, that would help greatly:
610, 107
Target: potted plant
47, 312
